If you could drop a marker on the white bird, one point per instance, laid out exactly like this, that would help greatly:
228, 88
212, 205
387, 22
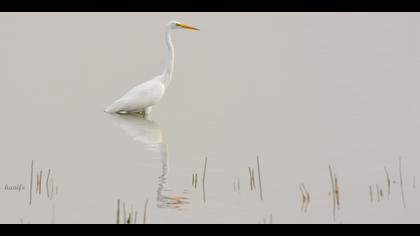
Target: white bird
142, 98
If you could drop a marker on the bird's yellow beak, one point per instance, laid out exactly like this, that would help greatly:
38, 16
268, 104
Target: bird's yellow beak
188, 27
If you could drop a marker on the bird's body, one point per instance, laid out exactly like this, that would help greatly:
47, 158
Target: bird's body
139, 99
142, 98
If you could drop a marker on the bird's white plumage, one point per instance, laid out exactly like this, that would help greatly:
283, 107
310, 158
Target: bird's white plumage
141, 98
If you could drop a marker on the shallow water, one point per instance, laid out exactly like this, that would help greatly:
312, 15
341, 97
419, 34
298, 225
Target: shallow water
302, 91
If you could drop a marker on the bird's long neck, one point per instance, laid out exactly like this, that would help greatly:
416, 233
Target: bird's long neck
168, 73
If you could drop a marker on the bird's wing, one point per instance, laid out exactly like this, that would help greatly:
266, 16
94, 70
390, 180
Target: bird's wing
139, 98
117, 106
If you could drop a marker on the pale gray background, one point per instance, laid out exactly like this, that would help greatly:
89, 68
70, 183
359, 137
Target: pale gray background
301, 90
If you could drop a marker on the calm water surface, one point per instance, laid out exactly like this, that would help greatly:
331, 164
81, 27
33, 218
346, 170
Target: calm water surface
303, 91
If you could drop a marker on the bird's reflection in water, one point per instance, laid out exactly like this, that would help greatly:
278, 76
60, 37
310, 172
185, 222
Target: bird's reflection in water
148, 132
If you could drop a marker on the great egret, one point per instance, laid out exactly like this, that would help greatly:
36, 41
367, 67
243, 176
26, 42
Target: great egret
142, 98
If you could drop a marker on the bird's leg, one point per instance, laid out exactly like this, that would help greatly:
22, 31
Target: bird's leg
147, 112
